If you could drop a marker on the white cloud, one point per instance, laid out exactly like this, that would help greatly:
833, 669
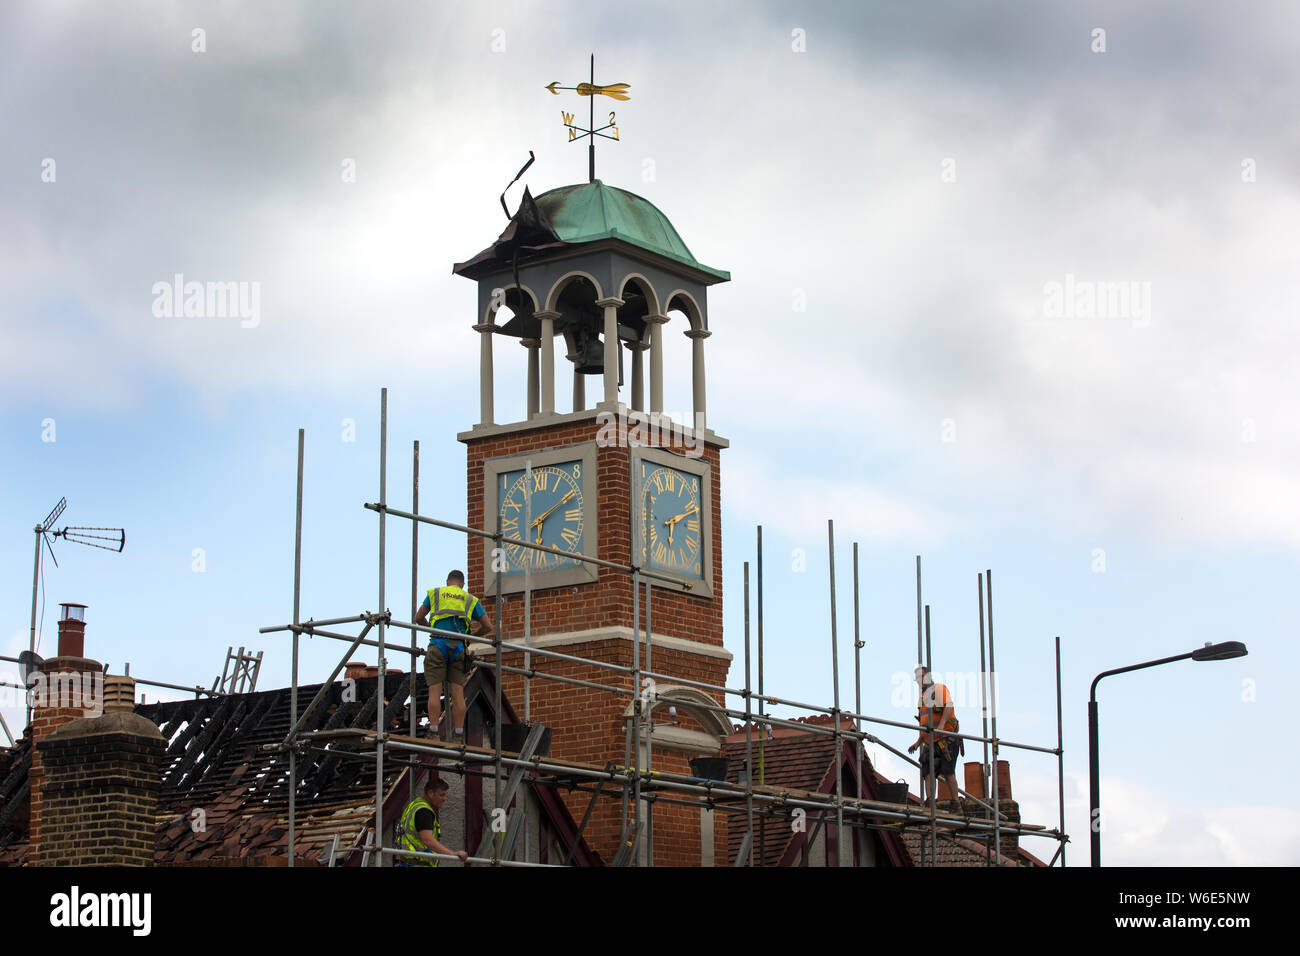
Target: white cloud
859, 508
1155, 827
923, 299
1143, 826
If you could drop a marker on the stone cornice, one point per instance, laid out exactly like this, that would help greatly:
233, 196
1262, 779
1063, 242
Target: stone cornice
592, 635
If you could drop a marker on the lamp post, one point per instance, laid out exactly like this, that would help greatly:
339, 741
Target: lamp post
1210, 652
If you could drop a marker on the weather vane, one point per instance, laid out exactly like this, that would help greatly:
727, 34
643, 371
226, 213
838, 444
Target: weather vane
617, 91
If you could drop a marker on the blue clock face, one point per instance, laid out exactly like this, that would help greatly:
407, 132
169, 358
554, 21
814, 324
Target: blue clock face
672, 519
556, 515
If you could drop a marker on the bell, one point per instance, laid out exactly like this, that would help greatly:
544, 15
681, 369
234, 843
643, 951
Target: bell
591, 355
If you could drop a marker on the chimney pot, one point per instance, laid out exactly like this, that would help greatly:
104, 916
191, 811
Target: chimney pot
1004, 780
72, 630
119, 694
72, 611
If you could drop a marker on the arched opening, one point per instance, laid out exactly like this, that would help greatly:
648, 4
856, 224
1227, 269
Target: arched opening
683, 315
685, 720
580, 322
639, 301
514, 318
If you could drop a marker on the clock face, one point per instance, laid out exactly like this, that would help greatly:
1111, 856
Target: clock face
672, 519
556, 515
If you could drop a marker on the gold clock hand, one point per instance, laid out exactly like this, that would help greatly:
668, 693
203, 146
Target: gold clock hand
547, 514
537, 522
685, 514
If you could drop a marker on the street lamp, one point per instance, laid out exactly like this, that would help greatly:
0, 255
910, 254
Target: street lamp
1210, 652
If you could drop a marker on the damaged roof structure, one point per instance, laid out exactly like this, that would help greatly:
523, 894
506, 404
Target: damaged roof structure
222, 796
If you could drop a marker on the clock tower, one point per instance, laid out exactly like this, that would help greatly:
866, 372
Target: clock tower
592, 278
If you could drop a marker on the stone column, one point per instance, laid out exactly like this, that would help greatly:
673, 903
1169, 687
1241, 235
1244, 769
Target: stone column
638, 387
548, 360
485, 330
531, 345
611, 307
656, 361
579, 384
697, 337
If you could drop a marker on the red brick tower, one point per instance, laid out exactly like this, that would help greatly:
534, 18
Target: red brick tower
605, 272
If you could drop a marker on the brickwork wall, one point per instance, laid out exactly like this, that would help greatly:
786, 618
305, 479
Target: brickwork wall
45, 721
587, 723
608, 601
100, 792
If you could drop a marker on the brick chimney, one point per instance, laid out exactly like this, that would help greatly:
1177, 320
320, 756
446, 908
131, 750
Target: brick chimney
65, 688
96, 764
1008, 807
100, 791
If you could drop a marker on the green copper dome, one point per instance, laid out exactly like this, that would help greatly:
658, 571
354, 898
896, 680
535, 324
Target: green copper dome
592, 211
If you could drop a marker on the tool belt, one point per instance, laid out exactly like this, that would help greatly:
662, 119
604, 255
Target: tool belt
945, 748
451, 648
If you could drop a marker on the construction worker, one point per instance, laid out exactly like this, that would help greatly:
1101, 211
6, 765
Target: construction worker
419, 829
935, 710
452, 609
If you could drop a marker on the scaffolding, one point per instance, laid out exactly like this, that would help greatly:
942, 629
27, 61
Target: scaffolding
637, 787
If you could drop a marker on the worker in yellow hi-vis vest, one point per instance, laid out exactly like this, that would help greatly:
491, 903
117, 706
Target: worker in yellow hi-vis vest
456, 611
419, 829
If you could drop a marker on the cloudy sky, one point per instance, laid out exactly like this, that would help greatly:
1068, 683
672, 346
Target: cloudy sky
916, 202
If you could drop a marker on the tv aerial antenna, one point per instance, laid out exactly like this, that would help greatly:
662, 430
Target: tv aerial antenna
110, 539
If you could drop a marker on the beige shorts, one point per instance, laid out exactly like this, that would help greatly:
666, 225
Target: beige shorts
437, 670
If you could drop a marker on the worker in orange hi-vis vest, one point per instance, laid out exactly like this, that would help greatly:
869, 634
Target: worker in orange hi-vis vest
935, 710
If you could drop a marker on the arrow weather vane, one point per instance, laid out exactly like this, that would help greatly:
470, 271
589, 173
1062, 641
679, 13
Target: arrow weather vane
616, 91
